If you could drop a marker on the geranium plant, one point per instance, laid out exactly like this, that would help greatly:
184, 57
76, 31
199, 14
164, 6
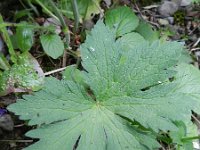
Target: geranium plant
130, 90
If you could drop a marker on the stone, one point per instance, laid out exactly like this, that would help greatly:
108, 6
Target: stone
171, 20
168, 8
185, 3
6, 122
108, 3
163, 22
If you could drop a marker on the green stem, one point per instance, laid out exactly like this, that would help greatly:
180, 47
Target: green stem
4, 63
46, 9
6, 24
8, 42
76, 14
85, 13
66, 12
190, 138
57, 12
33, 8
65, 28
21, 2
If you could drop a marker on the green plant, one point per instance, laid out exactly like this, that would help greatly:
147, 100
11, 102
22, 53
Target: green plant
23, 74
196, 1
181, 137
129, 91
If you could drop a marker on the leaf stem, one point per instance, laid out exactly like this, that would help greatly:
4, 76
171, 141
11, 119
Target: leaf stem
4, 64
76, 14
8, 42
33, 8
190, 138
6, 24
62, 21
65, 30
46, 9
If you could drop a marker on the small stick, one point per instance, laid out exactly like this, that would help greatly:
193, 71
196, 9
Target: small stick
64, 60
19, 125
195, 49
54, 71
195, 118
196, 43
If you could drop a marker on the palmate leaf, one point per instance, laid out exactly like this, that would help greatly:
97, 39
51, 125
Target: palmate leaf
129, 84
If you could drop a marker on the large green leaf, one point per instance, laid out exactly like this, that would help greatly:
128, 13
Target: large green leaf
129, 91
73, 114
52, 45
122, 19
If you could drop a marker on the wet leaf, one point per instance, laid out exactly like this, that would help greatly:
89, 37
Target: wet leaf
24, 38
21, 77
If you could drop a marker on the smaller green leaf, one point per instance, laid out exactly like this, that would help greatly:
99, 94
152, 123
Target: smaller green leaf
21, 13
52, 45
71, 73
24, 76
180, 133
177, 137
122, 19
25, 38
147, 32
131, 40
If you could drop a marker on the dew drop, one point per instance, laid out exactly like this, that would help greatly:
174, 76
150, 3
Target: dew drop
92, 49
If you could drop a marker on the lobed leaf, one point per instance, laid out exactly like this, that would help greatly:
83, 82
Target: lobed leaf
135, 89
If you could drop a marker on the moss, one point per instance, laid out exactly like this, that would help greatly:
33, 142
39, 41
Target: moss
179, 17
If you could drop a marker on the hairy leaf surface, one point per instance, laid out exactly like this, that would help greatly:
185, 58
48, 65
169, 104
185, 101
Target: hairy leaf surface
131, 86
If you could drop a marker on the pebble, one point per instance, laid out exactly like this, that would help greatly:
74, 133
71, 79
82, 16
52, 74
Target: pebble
163, 22
6, 122
88, 24
168, 8
171, 20
185, 3
108, 2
